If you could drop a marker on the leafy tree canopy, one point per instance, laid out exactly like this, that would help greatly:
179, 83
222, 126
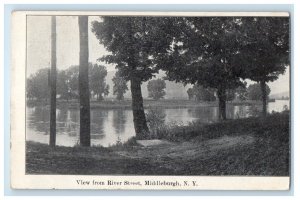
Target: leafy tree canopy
254, 92
38, 85
134, 43
200, 93
97, 75
120, 86
156, 89
204, 53
265, 51
67, 82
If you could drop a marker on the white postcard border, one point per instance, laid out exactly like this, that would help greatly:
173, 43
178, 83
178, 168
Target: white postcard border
20, 180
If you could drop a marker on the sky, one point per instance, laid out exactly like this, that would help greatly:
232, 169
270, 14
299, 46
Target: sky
39, 44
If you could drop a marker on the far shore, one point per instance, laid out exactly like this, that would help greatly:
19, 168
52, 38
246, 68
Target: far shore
148, 103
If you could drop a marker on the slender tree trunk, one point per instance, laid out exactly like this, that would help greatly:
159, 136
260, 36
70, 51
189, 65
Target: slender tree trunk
222, 103
139, 118
263, 87
53, 84
84, 94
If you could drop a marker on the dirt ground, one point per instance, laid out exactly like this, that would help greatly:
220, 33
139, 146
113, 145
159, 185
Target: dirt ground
182, 150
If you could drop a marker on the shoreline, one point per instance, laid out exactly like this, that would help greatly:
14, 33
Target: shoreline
126, 104
251, 146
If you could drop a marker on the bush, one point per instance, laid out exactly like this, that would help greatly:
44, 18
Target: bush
156, 121
254, 111
160, 130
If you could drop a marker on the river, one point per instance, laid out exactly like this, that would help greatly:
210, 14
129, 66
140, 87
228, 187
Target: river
109, 126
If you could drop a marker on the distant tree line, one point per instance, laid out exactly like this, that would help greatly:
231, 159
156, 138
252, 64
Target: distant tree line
284, 98
242, 93
37, 85
67, 84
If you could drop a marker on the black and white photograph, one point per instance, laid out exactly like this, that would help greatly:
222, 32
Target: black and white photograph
156, 95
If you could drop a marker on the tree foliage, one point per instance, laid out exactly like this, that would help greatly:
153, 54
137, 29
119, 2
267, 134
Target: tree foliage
120, 86
72, 80
67, 83
265, 53
38, 85
218, 52
134, 43
199, 93
63, 85
254, 92
156, 89
98, 86
204, 54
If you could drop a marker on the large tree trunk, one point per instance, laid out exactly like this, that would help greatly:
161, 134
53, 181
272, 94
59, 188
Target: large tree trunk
84, 94
139, 118
263, 87
222, 103
53, 84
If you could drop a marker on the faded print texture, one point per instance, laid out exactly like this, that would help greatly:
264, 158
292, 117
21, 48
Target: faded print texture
158, 95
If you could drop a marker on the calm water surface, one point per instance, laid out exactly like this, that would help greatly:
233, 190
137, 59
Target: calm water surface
116, 125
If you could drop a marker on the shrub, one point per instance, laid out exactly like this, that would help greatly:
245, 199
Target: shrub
156, 121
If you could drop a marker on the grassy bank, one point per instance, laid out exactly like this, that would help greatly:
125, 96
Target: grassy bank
126, 104
251, 146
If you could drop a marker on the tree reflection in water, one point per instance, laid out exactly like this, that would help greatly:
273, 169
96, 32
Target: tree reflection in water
204, 114
68, 122
110, 125
119, 121
39, 119
98, 119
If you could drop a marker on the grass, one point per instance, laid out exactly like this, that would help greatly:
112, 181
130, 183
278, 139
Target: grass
253, 146
277, 124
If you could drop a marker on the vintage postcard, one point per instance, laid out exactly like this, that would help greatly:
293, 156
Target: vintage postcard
150, 100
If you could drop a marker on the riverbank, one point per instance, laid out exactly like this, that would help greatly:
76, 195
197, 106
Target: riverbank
252, 146
148, 103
